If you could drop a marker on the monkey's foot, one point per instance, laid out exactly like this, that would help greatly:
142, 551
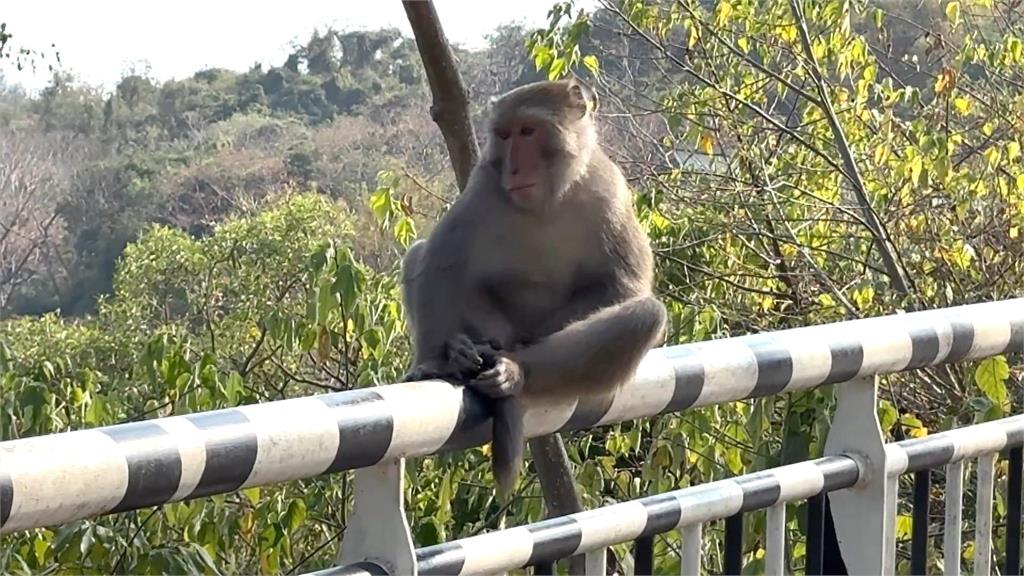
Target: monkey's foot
504, 379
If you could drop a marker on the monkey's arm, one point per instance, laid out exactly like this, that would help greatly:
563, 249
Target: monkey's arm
433, 282
446, 310
595, 354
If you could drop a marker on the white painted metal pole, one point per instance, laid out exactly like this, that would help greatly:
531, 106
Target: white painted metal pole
377, 529
690, 566
892, 490
983, 518
859, 512
597, 562
775, 556
953, 527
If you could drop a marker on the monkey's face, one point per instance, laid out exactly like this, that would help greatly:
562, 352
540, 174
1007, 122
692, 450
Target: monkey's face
524, 159
540, 141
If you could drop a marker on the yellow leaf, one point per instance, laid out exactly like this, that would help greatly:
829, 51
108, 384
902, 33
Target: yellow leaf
962, 105
743, 43
946, 80
724, 10
788, 33
706, 144
694, 36
1012, 150
881, 153
953, 13
1014, 232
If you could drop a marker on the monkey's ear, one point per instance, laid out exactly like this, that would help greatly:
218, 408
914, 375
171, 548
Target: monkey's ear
583, 96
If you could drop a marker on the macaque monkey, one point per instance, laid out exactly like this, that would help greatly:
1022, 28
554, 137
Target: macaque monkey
537, 283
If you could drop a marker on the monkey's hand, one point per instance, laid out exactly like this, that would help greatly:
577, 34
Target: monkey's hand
468, 359
504, 379
464, 360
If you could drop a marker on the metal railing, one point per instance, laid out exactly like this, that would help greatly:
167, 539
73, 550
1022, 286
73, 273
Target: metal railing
64, 477
590, 532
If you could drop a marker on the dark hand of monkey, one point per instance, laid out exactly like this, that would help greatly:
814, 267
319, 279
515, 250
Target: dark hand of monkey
464, 361
468, 358
505, 378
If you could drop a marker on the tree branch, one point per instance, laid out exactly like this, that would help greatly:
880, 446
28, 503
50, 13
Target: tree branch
450, 109
886, 250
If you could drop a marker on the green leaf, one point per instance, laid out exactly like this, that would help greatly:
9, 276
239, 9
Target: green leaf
253, 494
296, 514
380, 204
991, 375
558, 66
590, 61
887, 415
325, 301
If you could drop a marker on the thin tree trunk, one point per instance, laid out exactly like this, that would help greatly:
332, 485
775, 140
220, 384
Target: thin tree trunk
450, 109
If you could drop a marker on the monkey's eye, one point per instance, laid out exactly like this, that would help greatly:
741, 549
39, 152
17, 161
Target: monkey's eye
526, 130
503, 134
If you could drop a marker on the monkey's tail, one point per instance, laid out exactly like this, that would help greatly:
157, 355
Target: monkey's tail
506, 443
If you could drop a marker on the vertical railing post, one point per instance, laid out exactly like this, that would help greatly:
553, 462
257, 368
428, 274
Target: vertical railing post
859, 511
378, 531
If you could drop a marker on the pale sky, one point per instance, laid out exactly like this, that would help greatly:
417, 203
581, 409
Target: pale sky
100, 39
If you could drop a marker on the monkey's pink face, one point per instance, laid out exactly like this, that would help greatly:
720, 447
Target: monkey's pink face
522, 164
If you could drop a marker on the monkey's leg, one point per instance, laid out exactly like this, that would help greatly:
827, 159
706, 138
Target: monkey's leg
590, 356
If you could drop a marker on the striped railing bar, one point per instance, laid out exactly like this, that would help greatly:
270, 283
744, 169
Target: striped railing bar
590, 530
953, 523
921, 455
1014, 483
942, 448
70, 476
691, 535
687, 509
983, 513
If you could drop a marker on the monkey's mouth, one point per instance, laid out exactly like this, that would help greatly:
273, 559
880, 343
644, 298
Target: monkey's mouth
522, 193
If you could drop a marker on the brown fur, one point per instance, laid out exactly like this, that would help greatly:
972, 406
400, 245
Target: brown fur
562, 290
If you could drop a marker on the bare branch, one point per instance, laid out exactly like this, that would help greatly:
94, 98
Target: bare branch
450, 109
